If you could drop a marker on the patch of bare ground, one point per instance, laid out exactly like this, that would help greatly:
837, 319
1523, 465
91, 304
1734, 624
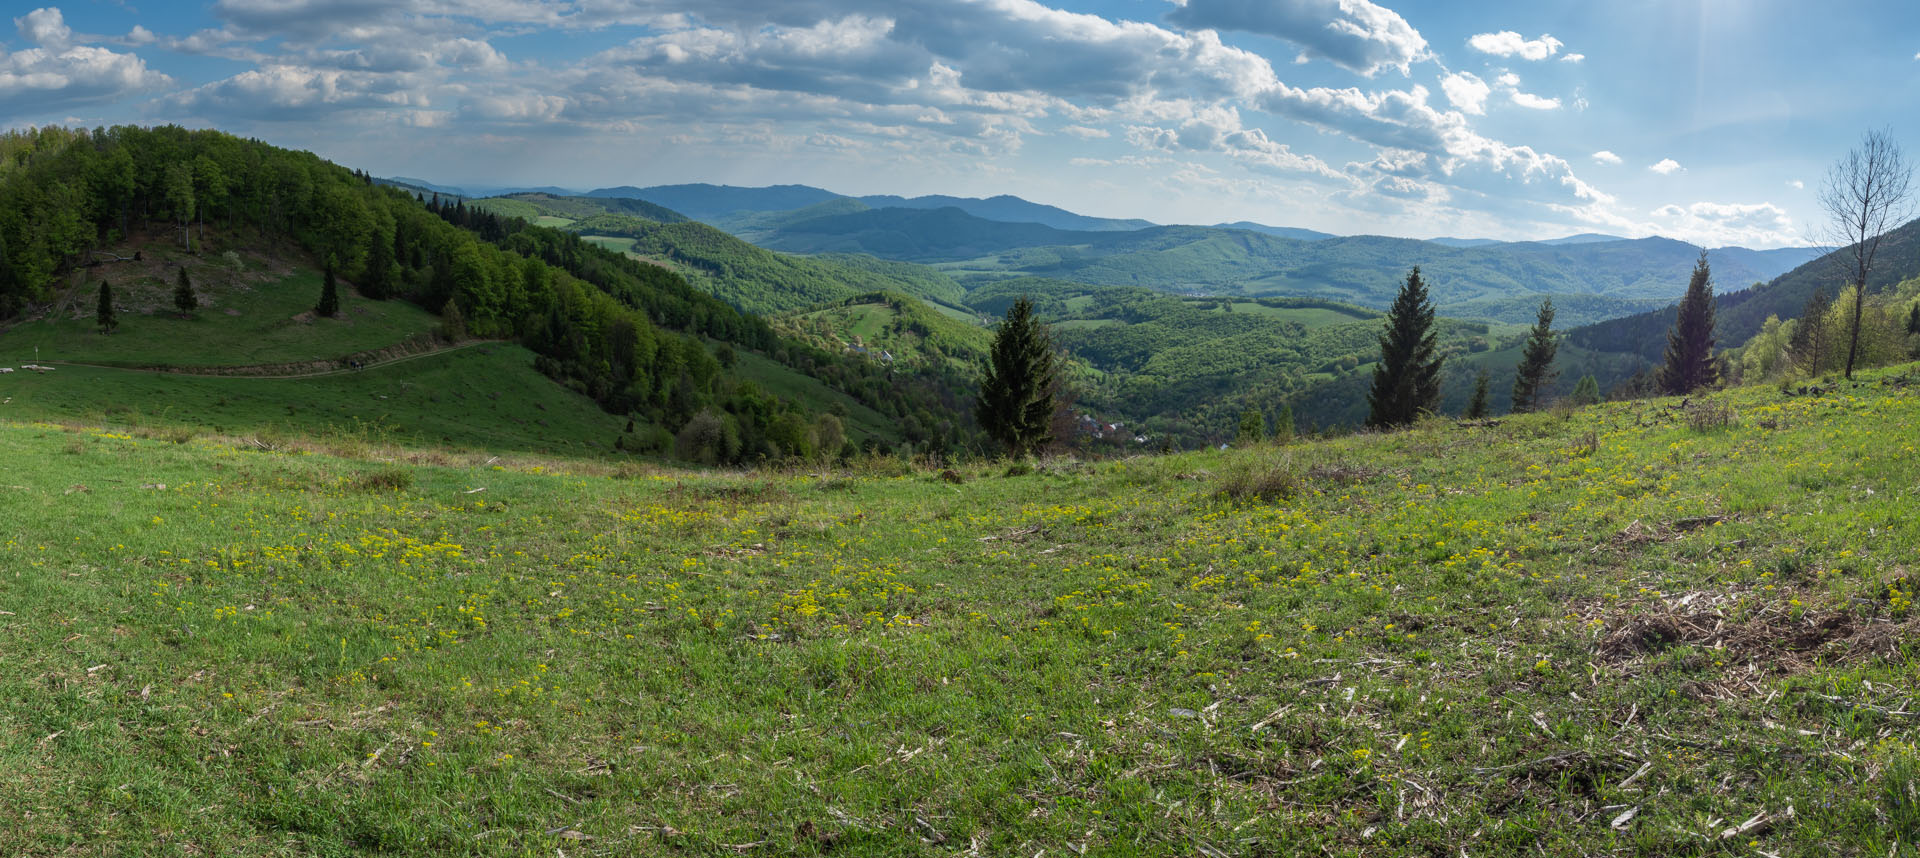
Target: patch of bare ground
1772, 641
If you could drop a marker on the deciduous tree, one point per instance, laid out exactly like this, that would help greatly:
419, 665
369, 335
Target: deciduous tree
1866, 193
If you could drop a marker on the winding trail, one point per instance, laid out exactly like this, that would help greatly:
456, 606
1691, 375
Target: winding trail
368, 360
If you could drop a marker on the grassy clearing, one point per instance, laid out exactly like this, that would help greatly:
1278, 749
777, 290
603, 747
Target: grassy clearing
1609, 632
266, 318
481, 397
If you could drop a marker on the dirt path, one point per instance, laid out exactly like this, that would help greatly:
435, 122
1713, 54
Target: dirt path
388, 356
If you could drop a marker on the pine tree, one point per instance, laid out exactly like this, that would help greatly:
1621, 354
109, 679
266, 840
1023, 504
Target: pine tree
1536, 372
103, 313
1478, 407
1587, 392
1015, 406
1406, 382
183, 298
1913, 320
1809, 342
329, 294
1283, 431
1690, 365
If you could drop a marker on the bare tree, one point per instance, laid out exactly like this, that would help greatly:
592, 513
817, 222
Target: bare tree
1867, 193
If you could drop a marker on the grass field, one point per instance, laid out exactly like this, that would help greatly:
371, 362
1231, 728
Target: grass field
1637, 629
486, 396
267, 321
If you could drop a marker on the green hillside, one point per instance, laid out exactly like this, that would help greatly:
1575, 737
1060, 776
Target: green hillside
749, 277
1628, 630
251, 224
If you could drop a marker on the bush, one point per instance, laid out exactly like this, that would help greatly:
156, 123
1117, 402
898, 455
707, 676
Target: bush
1263, 483
1710, 415
385, 480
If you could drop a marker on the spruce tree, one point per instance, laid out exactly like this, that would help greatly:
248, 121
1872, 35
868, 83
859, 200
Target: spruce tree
1808, 345
183, 298
1015, 406
1536, 373
1283, 430
329, 294
103, 312
1406, 382
1913, 320
1690, 365
1478, 407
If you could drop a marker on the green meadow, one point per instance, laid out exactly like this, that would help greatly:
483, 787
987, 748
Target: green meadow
1654, 627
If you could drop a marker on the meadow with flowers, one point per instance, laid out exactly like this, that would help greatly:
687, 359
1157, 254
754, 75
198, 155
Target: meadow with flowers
1653, 627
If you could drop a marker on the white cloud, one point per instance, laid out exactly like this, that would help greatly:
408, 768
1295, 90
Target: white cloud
1666, 166
1085, 133
1720, 224
1573, 58
1535, 102
45, 27
1797, 185
1466, 92
1507, 43
42, 80
1353, 34
1219, 130
1605, 157
1508, 79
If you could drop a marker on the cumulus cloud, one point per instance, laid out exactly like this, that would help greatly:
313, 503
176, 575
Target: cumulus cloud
1535, 102
1354, 34
45, 27
1605, 157
1573, 58
1219, 130
1466, 92
1507, 43
1720, 224
285, 92
1665, 166
1797, 185
46, 79
1085, 133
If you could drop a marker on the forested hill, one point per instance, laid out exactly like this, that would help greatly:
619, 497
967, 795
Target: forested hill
637, 338
1740, 312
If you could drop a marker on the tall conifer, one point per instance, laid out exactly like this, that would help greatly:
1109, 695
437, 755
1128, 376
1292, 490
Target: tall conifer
103, 311
183, 298
1536, 372
329, 294
1478, 406
1690, 365
1406, 382
1016, 386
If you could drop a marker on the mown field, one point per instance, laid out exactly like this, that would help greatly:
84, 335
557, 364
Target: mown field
1646, 628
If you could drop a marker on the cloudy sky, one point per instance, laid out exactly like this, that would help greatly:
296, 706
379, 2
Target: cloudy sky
1707, 120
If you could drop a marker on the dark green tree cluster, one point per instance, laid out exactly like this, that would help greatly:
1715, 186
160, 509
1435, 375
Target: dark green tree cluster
1406, 382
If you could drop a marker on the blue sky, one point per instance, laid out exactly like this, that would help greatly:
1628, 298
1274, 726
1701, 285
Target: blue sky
1707, 120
